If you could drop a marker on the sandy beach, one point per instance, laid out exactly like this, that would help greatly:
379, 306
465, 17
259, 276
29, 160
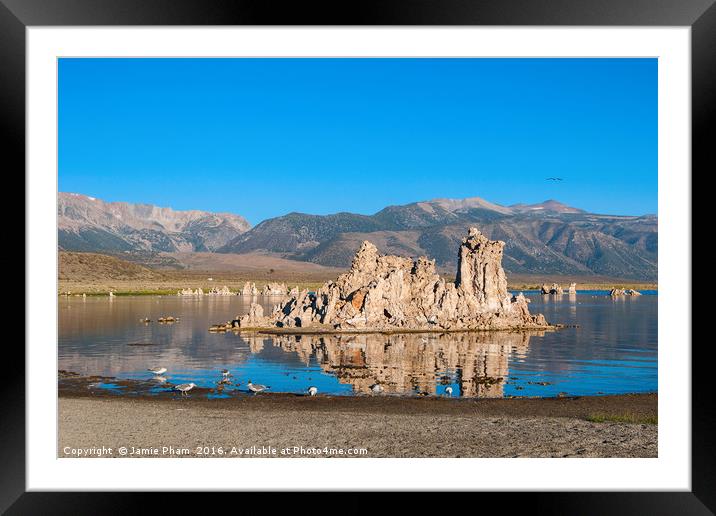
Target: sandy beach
276, 425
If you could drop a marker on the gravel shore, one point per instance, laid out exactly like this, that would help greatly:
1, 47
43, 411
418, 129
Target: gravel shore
285, 425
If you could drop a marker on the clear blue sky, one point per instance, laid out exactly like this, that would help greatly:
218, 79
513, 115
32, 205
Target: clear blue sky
264, 137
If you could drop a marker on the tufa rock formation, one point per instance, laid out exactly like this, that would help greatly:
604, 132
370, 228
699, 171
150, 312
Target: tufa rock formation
392, 293
255, 317
215, 291
269, 290
249, 289
274, 289
187, 292
618, 292
556, 288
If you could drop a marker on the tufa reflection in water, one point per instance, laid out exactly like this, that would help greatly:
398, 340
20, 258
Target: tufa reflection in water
611, 347
413, 363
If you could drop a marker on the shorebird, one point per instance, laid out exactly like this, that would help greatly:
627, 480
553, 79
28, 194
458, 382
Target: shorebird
448, 391
376, 388
157, 370
225, 373
255, 387
312, 391
184, 388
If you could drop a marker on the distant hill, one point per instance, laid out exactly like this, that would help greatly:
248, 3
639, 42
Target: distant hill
86, 267
549, 206
546, 238
89, 224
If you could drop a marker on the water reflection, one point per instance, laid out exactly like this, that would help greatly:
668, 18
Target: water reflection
613, 350
477, 363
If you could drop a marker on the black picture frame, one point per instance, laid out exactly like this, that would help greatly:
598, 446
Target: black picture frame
700, 15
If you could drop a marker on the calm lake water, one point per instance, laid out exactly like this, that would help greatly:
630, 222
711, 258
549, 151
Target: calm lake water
614, 349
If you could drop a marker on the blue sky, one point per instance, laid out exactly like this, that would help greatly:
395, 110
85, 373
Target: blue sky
264, 137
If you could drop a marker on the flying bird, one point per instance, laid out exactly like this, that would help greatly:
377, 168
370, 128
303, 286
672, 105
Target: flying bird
554, 179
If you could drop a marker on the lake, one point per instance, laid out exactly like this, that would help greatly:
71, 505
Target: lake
613, 350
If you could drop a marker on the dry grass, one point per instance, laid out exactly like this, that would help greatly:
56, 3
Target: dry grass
97, 274
171, 285
100, 267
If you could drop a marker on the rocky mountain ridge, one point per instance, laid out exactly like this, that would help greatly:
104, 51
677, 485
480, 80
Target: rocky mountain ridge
545, 238
549, 238
89, 224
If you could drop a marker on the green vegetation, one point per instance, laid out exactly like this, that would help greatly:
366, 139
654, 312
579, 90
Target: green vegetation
235, 283
162, 289
90, 293
158, 292
623, 418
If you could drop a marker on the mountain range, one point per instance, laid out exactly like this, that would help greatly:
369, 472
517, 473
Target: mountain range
546, 238
88, 224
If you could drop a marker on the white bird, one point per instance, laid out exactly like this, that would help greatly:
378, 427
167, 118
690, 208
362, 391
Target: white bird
184, 388
448, 391
312, 391
157, 370
255, 387
376, 388
225, 373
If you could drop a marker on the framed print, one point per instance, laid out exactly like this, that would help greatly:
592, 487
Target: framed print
417, 248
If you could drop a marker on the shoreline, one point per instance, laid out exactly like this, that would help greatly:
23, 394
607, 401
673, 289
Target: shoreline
314, 330
640, 405
587, 426
643, 406
163, 291
74, 385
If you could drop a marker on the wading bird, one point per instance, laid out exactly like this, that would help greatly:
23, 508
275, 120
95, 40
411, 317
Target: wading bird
448, 391
312, 391
255, 387
184, 388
